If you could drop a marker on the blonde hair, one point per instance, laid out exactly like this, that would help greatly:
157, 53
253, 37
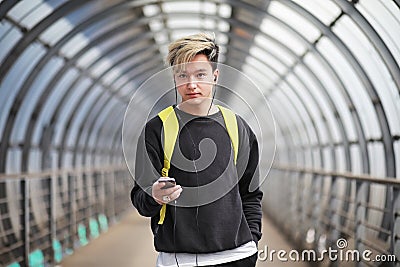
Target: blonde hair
185, 49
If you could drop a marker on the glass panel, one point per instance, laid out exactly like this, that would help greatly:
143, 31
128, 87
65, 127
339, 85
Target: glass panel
113, 74
55, 32
127, 89
328, 160
105, 109
209, 8
68, 106
268, 59
9, 39
177, 33
340, 159
74, 45
283, 35
247, 17
39, 13
208, 24
110, 76
121, 81
317, 158
156, 25
35, 161
223, 26
326, 109
15, 77
101, 102
262, 68
294, 20
225, 10
374, 67
396, 147
356, 161
67, 161
61, 27
81, 113
82, 39
284, 136
151, 10
190, 22
310, 109
262, 82
377, 159
23, 8
222, 39
5, 27
89, 57
103, 65
112, 107
30, 100
332, 89
275, 49
301, 116
384, 17
354, 87
182, 6
14, 160
53, 101
291, 111
325, 11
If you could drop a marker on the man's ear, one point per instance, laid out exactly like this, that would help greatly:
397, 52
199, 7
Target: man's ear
216, 73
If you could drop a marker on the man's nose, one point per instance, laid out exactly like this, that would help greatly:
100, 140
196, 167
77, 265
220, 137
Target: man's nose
192, 83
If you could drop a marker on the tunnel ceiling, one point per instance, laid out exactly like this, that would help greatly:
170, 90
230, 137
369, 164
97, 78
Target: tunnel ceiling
330, 70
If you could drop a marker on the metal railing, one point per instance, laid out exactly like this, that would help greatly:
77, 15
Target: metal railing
318, 209
46, 216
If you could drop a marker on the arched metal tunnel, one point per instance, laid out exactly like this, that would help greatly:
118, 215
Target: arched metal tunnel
329, 70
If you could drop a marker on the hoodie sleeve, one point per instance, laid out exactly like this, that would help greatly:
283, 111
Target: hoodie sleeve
248, 171
147, 171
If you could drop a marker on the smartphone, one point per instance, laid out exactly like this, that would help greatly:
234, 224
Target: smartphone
169, 182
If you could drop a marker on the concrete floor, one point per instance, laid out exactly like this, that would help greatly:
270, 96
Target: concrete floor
130, 244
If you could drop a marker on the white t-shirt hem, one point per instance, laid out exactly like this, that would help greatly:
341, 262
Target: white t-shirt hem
166, 259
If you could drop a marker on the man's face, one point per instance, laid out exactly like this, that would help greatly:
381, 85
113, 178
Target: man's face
195, 80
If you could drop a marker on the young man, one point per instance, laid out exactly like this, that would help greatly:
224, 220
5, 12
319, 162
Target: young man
211, 216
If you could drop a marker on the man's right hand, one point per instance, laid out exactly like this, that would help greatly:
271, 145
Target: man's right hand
163, 196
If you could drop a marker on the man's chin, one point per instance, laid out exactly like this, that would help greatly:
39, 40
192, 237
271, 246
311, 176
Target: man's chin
196, 101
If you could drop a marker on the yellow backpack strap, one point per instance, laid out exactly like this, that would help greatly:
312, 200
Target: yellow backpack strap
232, 128
171, 129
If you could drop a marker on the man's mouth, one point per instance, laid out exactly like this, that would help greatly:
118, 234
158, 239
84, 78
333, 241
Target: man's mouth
192, 95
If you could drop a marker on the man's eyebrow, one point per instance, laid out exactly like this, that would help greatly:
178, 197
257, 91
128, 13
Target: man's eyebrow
184, 71
201, 70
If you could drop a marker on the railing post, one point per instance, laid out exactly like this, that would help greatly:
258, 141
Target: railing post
25, 195
316, 205
102, 193
53, 226
302, 207
112, 197
334, 207
72, 209
360, 215
394, 195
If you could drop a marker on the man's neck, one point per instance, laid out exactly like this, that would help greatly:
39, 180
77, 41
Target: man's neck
202, 109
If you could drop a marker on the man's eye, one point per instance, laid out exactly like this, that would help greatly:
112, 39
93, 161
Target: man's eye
182, 76
201, 75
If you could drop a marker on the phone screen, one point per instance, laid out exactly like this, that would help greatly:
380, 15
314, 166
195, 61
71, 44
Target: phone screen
169, 182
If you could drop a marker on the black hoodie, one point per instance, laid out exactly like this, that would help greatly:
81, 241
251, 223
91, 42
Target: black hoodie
216, 210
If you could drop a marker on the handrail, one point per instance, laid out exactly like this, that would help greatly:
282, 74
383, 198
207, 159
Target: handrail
71, 171
389, 181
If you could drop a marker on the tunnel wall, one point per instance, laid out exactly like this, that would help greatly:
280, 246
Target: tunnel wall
329, 70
